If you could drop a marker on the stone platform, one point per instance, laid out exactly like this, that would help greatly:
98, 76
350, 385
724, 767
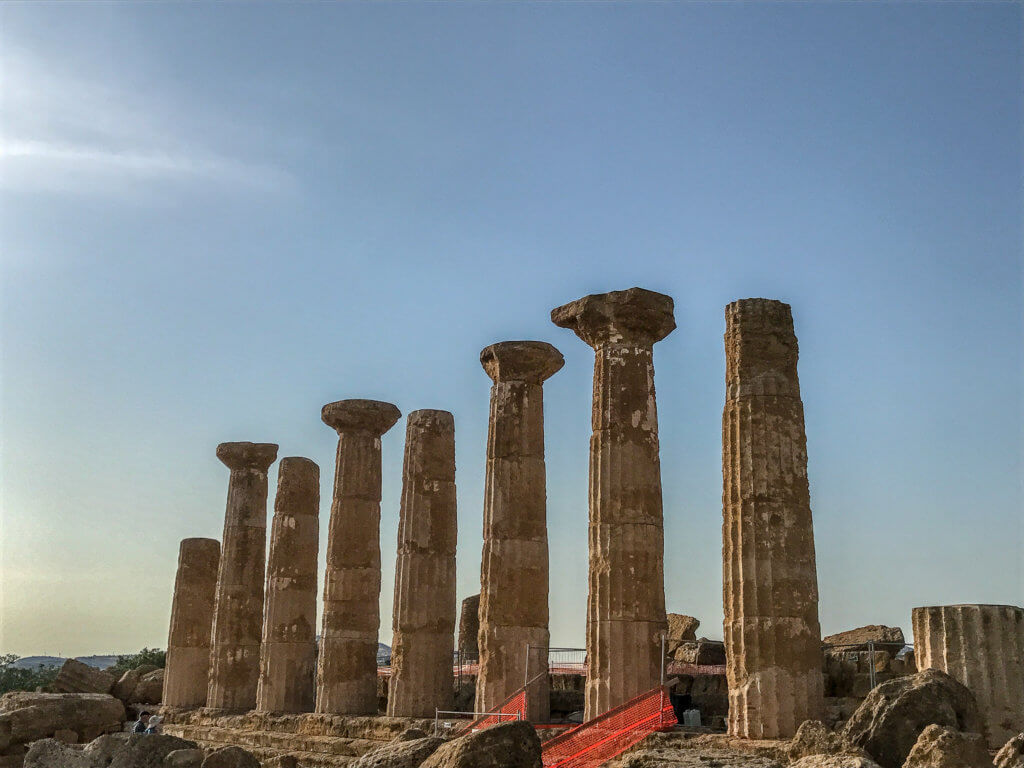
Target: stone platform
315, 740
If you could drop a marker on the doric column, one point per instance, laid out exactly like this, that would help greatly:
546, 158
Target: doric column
514, 571
288, 660
770, 583
238, 613
187, 674
469, 628
347, 668
424, 609
982, 646
626, 604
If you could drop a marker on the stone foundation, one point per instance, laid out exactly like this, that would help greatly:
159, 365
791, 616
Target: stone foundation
316, 741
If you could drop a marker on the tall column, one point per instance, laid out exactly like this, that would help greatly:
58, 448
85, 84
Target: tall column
982, 646
626, 603
424, 610
514, 571
187, 673
238, 612
347, 670
288, 661
770, 582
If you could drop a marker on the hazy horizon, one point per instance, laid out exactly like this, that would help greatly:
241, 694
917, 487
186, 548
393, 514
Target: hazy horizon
216, 218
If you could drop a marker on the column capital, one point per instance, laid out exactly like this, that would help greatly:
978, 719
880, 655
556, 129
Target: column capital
371, 416
530, 361
257, 456
633, 316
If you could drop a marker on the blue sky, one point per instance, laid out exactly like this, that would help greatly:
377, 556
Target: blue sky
215, 218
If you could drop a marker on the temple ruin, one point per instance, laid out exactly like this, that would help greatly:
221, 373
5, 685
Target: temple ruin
288, 660
186, 676
235, 664
424, 608
770, 584
626, 605
982, 646
514, 569
238, 612
347, 666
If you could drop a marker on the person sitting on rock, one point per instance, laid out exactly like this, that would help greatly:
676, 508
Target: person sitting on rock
154, 724
142, 723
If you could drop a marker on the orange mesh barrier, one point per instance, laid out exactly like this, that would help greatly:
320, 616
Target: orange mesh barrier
599, 740
514, 708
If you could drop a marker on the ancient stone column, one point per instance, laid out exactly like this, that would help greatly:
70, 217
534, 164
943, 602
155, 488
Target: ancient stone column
982, 646
770, 583
347, 667
514, 571
469, 628
424, 610
238, 612
187, 674
626, 604
288, 660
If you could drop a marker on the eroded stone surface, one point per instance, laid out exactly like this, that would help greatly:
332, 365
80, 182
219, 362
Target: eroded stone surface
513, 610
288, 661
187, 673
424, 606
77, 677
238, 608
347, 667
770, 585
889, 721
982, 646
626, 599
1011, 755
469, 627
942, 747
509, 745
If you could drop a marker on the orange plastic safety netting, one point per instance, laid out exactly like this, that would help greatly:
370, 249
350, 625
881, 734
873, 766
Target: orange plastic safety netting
599, 740
513, 708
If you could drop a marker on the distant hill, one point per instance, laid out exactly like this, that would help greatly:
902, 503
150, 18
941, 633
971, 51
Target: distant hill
31, 662
102, 662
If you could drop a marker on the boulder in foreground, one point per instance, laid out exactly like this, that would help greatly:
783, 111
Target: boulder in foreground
76, 677
509, 745
32, 716
1012, 753
942, 747
895, 713
404, 753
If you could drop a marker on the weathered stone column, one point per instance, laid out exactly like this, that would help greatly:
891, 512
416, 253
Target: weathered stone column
347, 670
187, 674
626, 604
424, 608
288, 660
982, 646
770, 583
238, 612
469, 628
514, 571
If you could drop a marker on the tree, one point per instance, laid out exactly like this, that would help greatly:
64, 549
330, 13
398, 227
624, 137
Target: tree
18, 679
153, 657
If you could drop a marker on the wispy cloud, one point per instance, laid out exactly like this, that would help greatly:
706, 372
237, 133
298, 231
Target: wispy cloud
63, 132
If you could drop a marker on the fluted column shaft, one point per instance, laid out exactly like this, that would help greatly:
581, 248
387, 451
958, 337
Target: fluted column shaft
238, 613
626, 600
770, 585
347, 666
288, 660
514, 567
982, 646
187, 672
424, 610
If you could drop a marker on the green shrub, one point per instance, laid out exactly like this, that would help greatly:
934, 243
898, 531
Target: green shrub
152, 656
13, 679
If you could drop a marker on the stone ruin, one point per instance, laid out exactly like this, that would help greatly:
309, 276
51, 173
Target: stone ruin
234, 649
